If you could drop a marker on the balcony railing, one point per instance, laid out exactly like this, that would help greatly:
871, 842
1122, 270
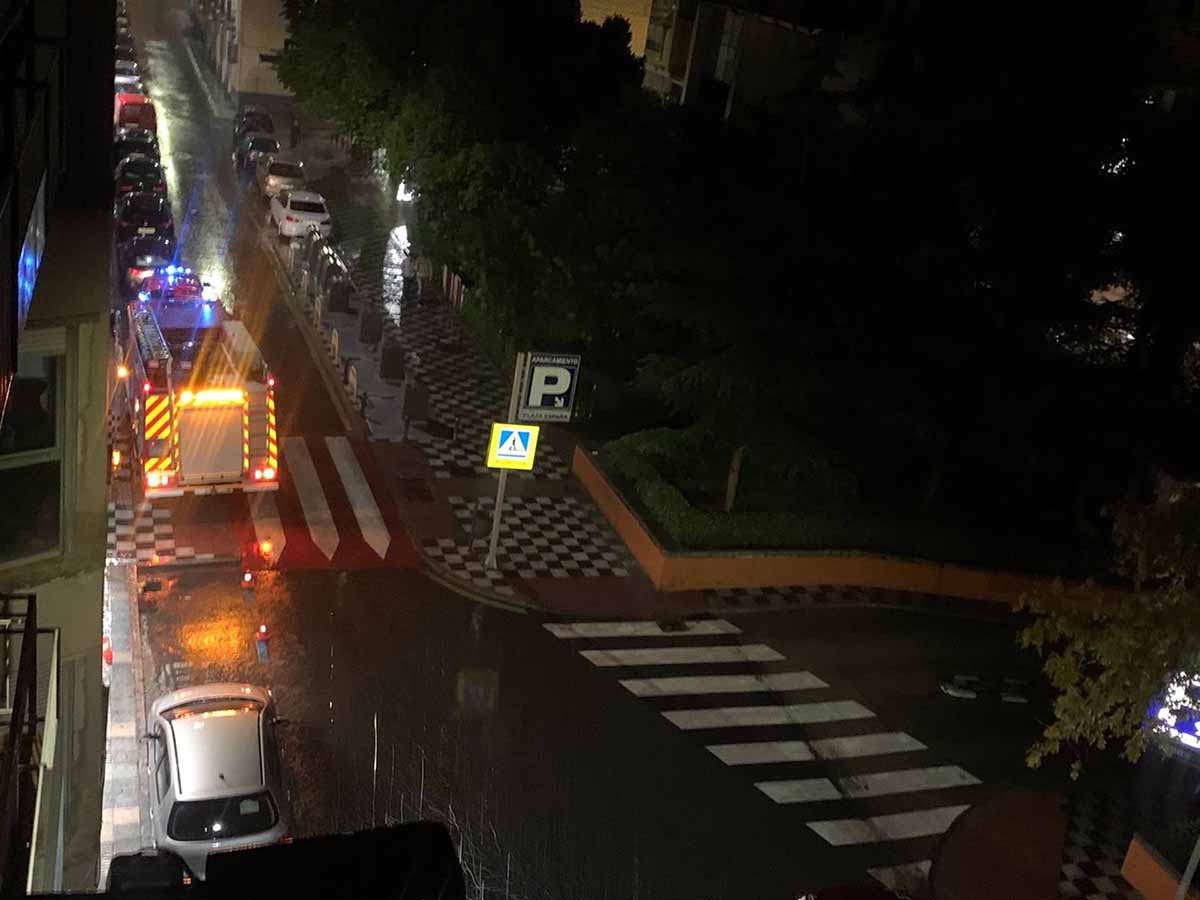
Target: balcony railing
20, 759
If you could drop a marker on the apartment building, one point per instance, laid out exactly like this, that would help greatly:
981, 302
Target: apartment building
56, 68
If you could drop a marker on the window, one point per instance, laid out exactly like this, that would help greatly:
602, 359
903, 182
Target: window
230, 817
162, 771
31, 470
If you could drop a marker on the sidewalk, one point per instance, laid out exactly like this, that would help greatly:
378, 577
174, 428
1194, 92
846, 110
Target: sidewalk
122, 829
557, 551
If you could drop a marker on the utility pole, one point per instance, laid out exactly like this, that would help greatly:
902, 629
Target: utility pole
513, 400
1185, 880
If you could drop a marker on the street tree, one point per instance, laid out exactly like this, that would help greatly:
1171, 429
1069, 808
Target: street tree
1117, 645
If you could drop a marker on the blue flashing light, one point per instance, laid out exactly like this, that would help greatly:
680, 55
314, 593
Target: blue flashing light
171, 270
144, 296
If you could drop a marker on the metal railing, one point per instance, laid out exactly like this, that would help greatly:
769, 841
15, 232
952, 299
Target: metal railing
19, 762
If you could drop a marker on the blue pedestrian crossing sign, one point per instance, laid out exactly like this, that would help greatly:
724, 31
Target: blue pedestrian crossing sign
512, 446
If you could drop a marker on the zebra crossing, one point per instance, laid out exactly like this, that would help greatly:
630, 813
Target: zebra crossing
798, 740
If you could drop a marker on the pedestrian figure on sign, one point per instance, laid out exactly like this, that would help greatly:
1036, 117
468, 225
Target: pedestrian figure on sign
295, 135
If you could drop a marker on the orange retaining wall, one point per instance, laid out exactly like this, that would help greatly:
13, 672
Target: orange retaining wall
698, 571
1153, 876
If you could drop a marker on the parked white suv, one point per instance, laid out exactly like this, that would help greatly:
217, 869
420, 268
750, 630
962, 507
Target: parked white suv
274, 174
215, 768
293, 211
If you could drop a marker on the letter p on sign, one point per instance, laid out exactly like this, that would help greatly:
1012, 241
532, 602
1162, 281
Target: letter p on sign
549, 388
548, 381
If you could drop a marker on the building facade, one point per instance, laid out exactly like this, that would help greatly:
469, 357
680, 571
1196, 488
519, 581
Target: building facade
243, 37
741, 61
56, 65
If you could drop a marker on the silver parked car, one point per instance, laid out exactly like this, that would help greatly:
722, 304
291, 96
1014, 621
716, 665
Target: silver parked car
278, 173
215, 765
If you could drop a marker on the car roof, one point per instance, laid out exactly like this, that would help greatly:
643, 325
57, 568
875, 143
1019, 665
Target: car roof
307, 196
217, 749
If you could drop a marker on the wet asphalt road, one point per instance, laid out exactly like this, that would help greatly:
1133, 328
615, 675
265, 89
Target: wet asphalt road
217, 218
406, 701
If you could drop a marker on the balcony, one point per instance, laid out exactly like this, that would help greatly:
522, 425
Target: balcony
29, 726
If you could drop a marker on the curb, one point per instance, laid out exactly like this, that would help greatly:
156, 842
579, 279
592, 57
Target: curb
351, 421
214, 561
439, 574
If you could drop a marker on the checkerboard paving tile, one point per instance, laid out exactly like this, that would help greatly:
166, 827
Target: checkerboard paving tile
1099, 827
463, 392
143, 533
540, 537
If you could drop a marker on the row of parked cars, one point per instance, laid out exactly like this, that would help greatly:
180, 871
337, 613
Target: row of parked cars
279, 178
216, 778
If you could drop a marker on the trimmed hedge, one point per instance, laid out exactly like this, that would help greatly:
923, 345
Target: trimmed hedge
844, 525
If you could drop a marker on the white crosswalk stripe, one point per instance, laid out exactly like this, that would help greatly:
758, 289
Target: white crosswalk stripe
791, 714
312, 496
875, 772
871, 784
675, 656
854, 746
895, 827
907, 878
761, 752
722, 684
362, 500
639, 629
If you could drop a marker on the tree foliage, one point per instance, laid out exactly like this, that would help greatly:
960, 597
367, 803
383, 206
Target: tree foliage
1113, 648
972, 293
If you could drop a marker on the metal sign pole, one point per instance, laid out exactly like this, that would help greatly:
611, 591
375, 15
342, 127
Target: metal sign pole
513, 400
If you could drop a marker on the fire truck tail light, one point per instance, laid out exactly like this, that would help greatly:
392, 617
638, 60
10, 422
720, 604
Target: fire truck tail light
153, 479
270, 381
268, 474
258, 473
145, 387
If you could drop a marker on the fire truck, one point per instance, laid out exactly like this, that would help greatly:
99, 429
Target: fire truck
201, 400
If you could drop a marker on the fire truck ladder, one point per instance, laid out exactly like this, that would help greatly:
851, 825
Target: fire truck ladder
155, 355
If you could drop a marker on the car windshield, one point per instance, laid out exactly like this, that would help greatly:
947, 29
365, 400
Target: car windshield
140, 168
229, 817
143, 206
285, 170
264, 144
308, 206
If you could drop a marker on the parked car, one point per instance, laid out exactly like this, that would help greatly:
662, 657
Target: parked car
124, 42
128, 84
141, 214
254, 145
139, 172
127, 67
134, 110
986, 687
124, 50
218, 781
133, 139
140, 258
293, 211
252, 119
275, 173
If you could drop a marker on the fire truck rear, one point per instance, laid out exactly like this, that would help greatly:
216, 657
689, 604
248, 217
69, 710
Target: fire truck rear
202, 401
